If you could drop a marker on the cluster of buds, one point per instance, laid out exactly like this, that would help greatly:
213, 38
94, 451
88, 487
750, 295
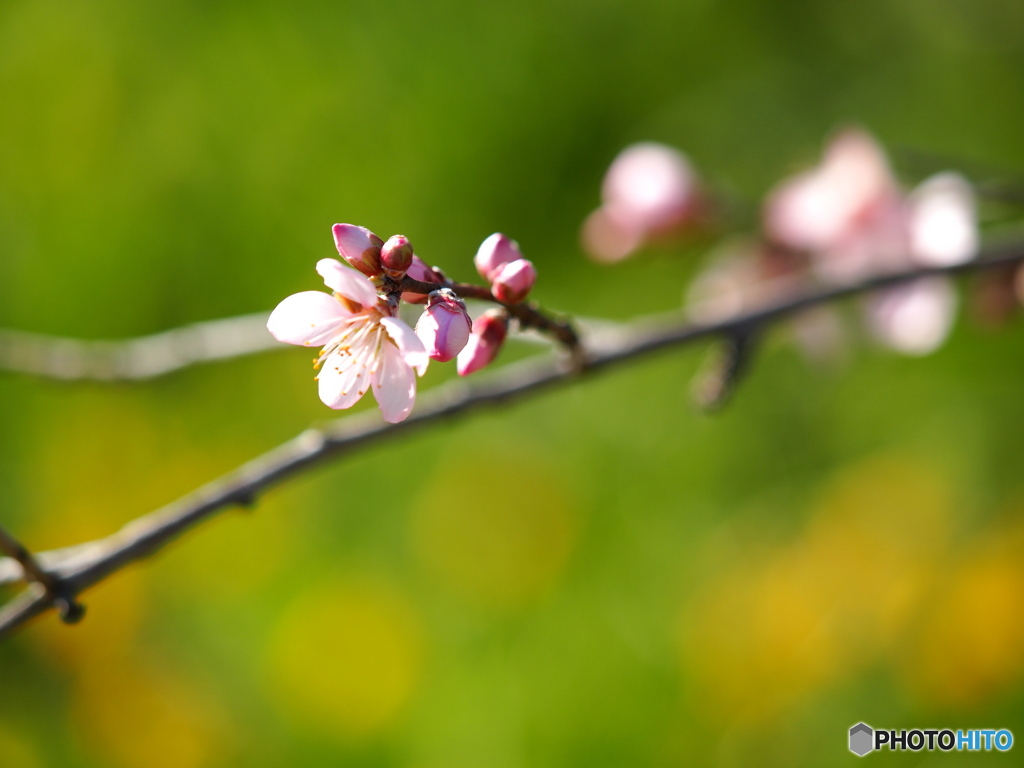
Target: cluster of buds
499, 261
367, 346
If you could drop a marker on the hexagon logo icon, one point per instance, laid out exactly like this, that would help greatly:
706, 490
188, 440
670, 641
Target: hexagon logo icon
861, 739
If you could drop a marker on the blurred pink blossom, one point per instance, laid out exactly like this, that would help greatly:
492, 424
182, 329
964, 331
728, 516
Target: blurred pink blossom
746, 276
851, 218
444, 326
914, 318
847, 212
942, 221
364, 345
650, 191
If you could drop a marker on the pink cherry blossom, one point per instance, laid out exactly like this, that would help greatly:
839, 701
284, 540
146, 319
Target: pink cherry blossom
359, 247
848, 212
914, 318
444, 326
851, 218
494, 253
364, 345
942, 222
513, 281
650, 191
489, 332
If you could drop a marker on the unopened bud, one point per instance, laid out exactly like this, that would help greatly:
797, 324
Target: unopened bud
494, 253
489, 332
513, 281
444, 325
396, 256
359, 247
419, 270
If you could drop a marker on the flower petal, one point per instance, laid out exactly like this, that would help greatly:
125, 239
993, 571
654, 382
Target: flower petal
913, 318
412, 349
308, 318
394, 385
349, 283
343, 379
943, 228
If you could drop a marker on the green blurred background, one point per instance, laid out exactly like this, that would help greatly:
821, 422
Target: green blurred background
598, 577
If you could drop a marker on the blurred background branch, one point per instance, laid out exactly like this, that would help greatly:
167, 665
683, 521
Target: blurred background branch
132, 359
63, 574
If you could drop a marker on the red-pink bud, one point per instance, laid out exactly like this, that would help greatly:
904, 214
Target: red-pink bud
444, 325
396, 256
359, 247
420, 271
494, 253
489, 332
513, 281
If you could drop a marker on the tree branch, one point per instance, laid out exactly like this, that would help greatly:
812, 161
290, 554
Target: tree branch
79, 568
528, 314
144, 357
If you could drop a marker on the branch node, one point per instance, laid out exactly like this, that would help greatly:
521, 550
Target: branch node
716, 383
245, 499
70, 610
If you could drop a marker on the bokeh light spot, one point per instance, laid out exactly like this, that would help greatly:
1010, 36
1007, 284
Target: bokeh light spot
503, 537
346, 657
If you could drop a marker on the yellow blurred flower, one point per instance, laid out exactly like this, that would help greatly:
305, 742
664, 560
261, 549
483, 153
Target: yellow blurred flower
346, 658
132, 714
503, 536
967, 647
762, 635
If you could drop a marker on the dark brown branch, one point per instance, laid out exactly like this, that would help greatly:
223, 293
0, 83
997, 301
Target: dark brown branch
528, 314
79, 568
53, 588
715, 385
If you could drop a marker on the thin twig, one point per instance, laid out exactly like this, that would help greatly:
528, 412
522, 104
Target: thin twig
528, 314
132, 359
81, 567
714, 386
52, 586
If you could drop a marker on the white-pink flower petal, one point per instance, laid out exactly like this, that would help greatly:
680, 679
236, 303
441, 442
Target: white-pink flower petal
308, 318
343, 379
413, 352
394, 384
943, 226
650, 187
914, 318
349, 283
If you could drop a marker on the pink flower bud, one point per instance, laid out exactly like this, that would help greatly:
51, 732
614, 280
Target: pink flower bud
444, 325
418, 270
396, 256
494, 253
359, 247
513, 281
489, 332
